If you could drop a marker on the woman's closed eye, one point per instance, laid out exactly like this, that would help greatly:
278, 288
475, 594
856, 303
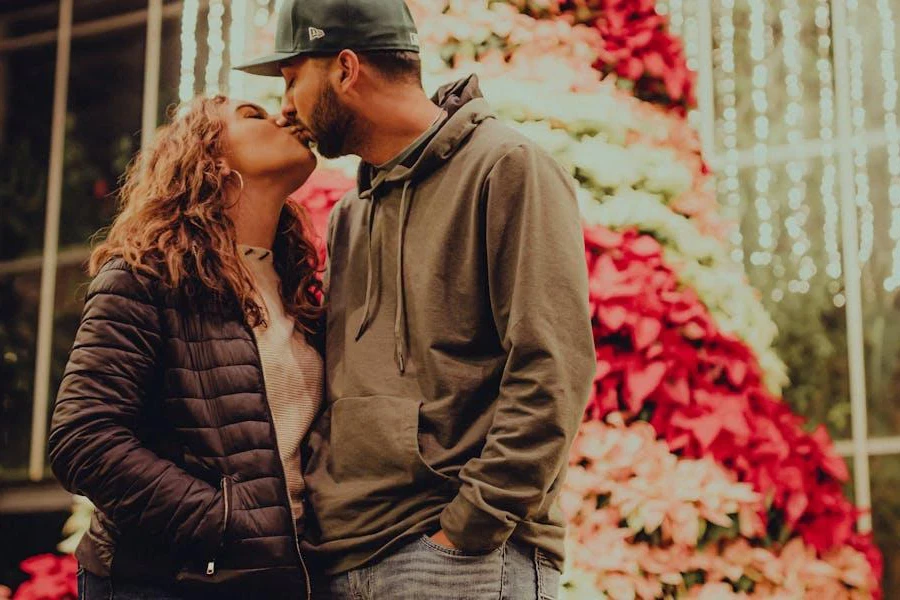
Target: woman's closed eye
251, 111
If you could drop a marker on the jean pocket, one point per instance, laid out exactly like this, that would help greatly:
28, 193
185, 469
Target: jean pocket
548, 577
440, 573
433, 546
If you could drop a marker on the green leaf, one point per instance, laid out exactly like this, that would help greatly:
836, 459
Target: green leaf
744, 584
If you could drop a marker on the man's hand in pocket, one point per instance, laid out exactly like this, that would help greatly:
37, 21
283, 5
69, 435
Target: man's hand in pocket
441, 539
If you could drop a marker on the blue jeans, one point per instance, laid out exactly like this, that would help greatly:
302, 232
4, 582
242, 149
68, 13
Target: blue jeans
424, 570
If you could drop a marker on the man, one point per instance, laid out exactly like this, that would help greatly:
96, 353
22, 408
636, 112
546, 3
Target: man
459, 351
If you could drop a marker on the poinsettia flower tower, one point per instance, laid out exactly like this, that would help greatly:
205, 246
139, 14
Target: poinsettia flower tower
690, 477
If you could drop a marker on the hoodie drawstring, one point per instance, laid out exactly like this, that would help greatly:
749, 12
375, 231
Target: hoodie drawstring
400, 328
400, 331
364, 321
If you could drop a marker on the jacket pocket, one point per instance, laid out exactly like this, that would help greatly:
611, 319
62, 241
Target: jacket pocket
227, 500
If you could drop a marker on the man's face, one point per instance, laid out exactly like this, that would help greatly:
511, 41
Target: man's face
311, 101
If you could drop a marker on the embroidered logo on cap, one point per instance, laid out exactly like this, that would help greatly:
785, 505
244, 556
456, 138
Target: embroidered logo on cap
414, 38
315, 33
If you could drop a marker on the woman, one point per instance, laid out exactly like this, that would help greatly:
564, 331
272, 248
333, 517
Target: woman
194, 377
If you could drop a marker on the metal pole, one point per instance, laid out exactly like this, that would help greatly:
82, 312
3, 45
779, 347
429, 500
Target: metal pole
852, 272
51, 244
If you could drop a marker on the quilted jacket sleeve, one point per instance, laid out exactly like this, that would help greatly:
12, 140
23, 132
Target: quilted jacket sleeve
93, 447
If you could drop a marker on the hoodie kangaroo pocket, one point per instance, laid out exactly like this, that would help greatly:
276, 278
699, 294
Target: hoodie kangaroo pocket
374, 440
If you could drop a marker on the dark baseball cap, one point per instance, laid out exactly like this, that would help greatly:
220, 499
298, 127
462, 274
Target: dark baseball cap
322, 27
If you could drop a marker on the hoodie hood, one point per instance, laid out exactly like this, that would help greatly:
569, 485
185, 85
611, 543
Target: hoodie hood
466, 108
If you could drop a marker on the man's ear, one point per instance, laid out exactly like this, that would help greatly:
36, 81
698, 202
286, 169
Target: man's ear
347, 72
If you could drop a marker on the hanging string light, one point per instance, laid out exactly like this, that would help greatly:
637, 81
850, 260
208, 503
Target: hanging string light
760, 80
889, 102
216, 44
261, 13
237, 36
860, 146
691, 34
795, 224
676, 17
188, 49
831, 213
728, 182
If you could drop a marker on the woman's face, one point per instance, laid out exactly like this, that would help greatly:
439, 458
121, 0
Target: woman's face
260, 149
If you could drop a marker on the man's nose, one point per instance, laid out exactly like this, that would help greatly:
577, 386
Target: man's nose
288, 112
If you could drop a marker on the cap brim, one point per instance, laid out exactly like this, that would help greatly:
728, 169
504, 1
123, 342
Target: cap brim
267, 65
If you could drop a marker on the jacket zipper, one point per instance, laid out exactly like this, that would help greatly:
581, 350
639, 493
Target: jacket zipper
287, 491
211, 565
226, 496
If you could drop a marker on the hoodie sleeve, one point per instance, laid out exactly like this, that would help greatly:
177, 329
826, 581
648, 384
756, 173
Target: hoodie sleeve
538, 291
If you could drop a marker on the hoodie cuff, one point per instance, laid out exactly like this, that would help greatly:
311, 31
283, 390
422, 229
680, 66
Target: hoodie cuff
473, 530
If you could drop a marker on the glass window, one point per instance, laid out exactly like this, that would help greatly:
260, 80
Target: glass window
26, 106
103, 121
92, 10
103, 125
19, 295
169, 68
104, 133
26, 17
26, 98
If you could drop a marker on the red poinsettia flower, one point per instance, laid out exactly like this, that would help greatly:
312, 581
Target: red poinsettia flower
52, 578
636, 46
866, 545
661, 357
318, 195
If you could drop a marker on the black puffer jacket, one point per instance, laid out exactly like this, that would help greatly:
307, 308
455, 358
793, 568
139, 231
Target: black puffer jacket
162, 421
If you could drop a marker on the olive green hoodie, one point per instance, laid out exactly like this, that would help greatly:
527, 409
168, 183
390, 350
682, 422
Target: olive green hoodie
459, 355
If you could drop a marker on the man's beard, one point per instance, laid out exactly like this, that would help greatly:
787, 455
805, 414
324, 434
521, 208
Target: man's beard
331, 124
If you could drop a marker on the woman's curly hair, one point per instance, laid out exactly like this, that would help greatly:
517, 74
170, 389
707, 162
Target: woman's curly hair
173, 224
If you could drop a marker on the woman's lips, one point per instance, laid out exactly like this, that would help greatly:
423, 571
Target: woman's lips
302, 135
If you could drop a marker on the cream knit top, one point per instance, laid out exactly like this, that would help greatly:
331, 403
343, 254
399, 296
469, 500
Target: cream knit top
292, 368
